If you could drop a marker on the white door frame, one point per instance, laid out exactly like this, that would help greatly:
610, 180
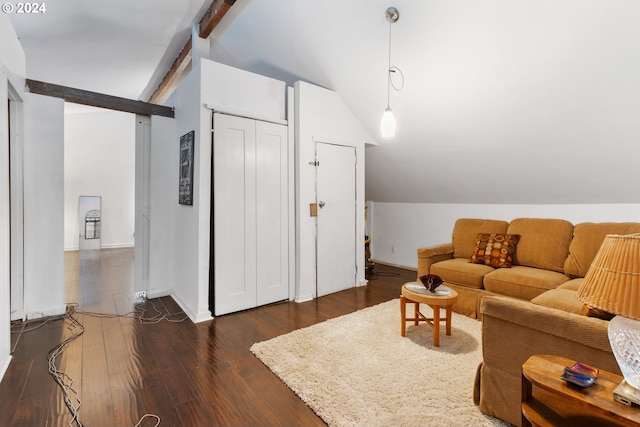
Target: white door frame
16, 250
142, 204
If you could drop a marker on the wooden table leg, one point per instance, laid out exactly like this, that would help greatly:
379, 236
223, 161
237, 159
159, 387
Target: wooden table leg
403, 315
527, 389
436, 325
449, 310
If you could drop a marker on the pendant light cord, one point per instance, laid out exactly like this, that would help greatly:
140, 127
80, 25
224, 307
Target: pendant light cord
392, 70
389, 69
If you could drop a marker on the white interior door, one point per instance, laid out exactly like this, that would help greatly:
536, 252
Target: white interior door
250, 208
336, 225
234, 226
272, 259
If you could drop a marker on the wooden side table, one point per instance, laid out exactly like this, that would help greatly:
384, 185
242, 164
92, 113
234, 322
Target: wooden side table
444, 299
554, 402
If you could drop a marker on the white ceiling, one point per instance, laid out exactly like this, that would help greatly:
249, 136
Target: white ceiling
112, 47
532, 102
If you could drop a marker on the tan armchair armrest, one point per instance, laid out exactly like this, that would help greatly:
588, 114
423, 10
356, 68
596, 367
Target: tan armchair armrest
533, 329
432, 254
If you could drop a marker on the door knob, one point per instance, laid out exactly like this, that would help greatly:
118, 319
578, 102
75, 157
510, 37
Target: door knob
321, 204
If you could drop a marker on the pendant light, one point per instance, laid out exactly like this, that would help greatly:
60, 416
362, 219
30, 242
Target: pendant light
388, 122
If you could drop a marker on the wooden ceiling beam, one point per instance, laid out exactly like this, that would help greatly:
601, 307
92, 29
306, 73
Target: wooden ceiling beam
85, 97
213, 15
182, 64
180, 67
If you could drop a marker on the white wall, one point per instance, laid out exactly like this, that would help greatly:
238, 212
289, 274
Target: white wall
99, 156
321, 115
180, 234
163, 198
405, 227
185, 220
43, 206
12, 73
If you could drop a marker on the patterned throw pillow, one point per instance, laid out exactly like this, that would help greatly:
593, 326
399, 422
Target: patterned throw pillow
495, 250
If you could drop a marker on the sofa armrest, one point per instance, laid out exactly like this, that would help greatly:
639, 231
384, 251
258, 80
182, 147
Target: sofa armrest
513, 330
431, 255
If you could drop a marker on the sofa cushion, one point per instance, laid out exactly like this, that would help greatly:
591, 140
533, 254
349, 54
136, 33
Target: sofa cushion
587, 239
544, 243
573, 284
460, 271
495, 250
466, 230
561, 299
522, 282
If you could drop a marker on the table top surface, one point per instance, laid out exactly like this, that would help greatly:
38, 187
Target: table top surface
545, 371
442, 296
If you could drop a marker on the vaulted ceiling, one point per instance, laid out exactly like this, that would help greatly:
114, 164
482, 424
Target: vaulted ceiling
530, 102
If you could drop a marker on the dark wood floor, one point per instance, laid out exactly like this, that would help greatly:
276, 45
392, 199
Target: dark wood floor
187, 374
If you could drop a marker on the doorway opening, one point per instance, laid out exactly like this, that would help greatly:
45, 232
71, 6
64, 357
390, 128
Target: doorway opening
99, 204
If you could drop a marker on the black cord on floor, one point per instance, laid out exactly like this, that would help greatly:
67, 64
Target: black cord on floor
70, 393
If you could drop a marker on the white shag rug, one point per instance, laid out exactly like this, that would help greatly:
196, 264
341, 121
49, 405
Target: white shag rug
356, 370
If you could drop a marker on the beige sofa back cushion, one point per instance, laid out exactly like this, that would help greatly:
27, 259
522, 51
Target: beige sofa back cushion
544, 243
465, 232
587, 239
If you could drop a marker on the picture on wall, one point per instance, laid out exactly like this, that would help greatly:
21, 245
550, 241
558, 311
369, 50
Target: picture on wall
185, 185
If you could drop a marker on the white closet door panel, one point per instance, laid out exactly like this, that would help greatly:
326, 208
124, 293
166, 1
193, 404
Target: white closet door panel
234, 228
271, 213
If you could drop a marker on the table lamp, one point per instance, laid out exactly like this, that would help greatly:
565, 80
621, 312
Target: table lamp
612, 284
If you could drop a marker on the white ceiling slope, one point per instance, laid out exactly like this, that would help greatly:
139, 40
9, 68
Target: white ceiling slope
527, 102
113, 47
534, 101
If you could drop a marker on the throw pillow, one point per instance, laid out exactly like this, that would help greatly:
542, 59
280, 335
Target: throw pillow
495, 250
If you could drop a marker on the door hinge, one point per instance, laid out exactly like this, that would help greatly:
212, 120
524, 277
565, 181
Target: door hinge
316, 163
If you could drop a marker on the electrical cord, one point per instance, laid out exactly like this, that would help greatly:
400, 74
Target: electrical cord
64, 381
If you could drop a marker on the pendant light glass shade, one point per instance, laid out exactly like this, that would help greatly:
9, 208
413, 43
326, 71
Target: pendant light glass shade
388, 124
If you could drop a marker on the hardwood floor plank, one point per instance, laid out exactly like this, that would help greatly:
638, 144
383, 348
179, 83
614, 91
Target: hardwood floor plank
118, 357
97, 403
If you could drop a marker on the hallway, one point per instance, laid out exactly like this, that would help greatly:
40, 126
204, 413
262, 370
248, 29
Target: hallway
100, 281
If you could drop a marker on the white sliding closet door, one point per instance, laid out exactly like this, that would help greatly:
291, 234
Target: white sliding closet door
272, 266
250, 213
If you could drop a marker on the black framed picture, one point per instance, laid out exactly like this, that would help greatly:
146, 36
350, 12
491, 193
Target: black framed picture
185, 185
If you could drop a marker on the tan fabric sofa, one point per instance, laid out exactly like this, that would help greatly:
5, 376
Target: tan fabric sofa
530, 308
550, 252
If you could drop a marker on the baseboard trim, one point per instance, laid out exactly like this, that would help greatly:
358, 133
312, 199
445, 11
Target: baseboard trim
46, 313
5, 365
195, 317
112, 246
375, 261
303, 298
158, 294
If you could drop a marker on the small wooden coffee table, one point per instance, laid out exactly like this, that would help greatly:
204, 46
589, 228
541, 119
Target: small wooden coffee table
417, 294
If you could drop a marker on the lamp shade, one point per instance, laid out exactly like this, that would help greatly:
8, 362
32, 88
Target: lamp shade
612, 283
388, 124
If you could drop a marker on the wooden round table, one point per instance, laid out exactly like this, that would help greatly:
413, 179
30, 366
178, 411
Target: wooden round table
415, 293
